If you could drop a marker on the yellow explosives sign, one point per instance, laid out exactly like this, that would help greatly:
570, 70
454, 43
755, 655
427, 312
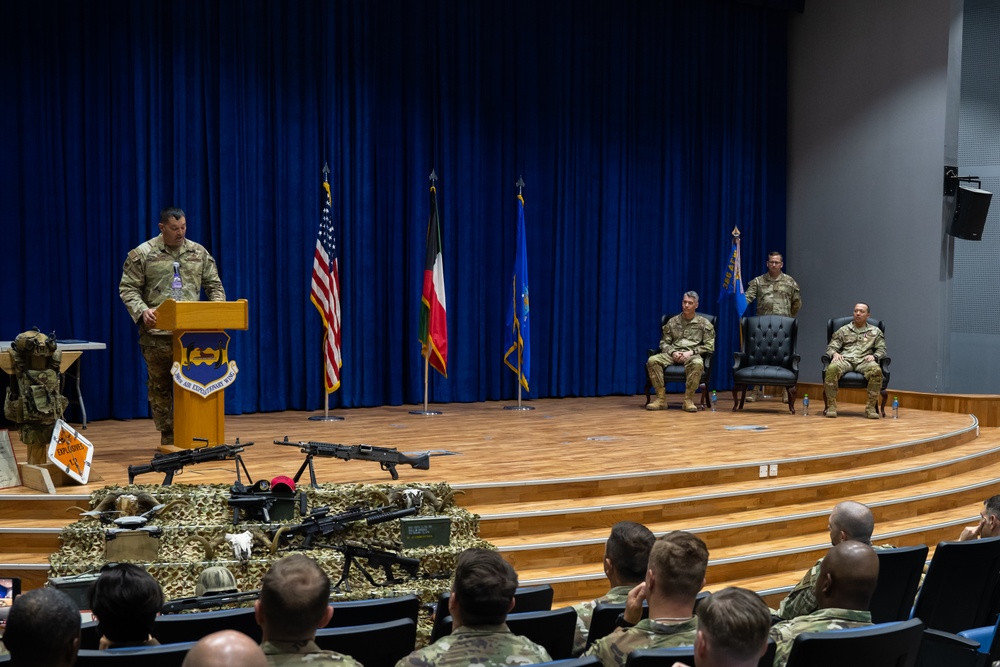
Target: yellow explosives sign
70, 451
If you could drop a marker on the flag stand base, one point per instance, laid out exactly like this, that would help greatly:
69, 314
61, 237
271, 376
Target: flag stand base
518, 407
428, 413
325, 418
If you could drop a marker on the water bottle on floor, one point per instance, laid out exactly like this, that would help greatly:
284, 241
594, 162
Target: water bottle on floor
895, 407
805, 405
715, 399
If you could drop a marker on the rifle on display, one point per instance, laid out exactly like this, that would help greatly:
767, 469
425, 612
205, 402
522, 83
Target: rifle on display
209, 601
376, 558
172, 463
387, 458
320, 523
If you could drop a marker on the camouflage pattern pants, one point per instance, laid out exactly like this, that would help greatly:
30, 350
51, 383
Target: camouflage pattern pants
158, 353
870, 369
694, 368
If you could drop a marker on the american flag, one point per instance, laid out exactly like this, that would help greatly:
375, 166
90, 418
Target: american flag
325, 292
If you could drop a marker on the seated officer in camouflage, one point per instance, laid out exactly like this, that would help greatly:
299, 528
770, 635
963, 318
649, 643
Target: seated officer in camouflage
844, 589
626, 559
295, 602
733, 625
481, 597
146, 283
685, 338
849, 520
676, 575
857, 346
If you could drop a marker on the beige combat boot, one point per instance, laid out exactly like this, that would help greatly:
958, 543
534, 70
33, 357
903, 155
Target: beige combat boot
660, 402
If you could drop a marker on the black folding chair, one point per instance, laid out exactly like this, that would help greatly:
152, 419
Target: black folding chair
899, 573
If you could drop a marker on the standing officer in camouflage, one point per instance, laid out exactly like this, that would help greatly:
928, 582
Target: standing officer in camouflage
776, 293
685, 338
843, 590
676, 575
146, 283
481, 597
857, 346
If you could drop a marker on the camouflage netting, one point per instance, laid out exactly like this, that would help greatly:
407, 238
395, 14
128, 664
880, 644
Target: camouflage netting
192, 517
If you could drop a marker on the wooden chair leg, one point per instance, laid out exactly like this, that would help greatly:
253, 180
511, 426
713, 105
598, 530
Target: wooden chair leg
649, 388
885, 397
705, 402
792, 392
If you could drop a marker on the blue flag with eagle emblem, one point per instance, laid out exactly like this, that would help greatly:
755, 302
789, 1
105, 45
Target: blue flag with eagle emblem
517, 339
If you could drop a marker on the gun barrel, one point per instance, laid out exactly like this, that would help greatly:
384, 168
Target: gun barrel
382, 517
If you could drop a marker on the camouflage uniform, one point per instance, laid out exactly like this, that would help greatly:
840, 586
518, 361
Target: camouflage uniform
614, 649
801, 600
679, 335
854, 345
481, 645
304, 653
821, 620
774, 296
146, 278
585, 612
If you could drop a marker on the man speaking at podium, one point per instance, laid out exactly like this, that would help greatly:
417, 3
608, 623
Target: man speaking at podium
164, 267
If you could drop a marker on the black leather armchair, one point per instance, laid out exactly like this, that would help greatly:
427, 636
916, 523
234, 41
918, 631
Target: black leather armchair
854, 379
768, 357
675, 372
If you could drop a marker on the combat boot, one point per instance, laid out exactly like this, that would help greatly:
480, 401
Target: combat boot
755, 395
167, 438
831, 398
660, 402
689, 405
871, 412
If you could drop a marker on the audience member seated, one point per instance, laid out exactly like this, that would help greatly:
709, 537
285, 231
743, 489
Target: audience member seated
847, 578
676, 574
43, 629
227, 648
626, 559
125, 601
294, 603
733, 626
849, 521
989, 522
481, 597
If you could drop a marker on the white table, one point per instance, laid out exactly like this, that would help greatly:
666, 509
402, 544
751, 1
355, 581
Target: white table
71, 351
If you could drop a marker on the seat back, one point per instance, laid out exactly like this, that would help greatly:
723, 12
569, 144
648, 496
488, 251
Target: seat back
173, 628
527, 598
604, 617
899, 573
168, 655
553, 629
376, 610
666, 657
958, 591
769, 340
886, 645
373, 645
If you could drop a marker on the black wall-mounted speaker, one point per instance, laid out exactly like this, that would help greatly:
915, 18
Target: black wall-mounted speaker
971, 209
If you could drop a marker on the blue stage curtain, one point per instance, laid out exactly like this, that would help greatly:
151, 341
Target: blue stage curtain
644, 130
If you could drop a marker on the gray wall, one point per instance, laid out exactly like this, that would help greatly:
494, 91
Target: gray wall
974, 325
873, 110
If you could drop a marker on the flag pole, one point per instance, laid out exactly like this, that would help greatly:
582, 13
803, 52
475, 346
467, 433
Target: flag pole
326, 416
427, 351
520, 349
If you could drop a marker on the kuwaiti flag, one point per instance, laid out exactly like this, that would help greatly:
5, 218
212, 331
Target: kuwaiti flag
433, 310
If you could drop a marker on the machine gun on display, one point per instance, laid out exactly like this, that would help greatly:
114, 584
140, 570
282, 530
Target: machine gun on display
210, 601
320, 523
376, 558
387, 458
172, 463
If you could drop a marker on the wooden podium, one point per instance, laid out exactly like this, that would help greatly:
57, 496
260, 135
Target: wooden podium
199, 408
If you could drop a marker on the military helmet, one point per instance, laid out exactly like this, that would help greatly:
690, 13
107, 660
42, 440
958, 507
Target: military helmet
216, 579
34, 342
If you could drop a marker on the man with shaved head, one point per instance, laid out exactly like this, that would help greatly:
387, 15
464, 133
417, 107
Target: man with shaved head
849, 521
227, 648
847, 578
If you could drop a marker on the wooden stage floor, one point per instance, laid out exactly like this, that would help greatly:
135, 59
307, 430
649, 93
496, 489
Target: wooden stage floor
560, 439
